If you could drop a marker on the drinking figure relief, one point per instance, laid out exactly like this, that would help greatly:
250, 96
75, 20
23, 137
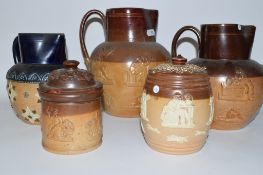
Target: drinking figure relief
237, 88
178, 113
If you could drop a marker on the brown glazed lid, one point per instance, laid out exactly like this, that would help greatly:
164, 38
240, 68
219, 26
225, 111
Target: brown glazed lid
178, 77
70, 84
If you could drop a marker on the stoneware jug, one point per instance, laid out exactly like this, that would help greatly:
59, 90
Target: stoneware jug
122, 61
71, 116
35, 56
176, 107
236, 80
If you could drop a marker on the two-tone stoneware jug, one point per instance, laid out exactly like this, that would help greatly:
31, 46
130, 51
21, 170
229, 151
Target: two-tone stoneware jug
177, 107
35, 56
236, 80
122, 61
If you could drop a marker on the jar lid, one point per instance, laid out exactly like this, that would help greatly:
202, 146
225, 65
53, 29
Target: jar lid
70, 84
178, 77
179, 66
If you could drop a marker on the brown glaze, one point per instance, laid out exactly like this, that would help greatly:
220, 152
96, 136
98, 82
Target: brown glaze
128, 20
236, 80
176, 107
121, 63
71, 83
178, 77
71, 116
231, 41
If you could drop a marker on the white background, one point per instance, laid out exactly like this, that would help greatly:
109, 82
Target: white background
123, 150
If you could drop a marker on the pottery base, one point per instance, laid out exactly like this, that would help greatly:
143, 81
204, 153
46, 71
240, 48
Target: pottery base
72, 152
173, 149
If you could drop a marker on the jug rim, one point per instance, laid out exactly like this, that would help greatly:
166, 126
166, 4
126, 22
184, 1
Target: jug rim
130, 11
230, 28
226, 24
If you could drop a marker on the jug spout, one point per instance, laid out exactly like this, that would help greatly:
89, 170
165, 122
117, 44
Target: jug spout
131, 24
226, 41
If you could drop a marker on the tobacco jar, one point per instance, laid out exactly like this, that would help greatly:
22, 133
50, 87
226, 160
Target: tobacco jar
176, 107
71, 110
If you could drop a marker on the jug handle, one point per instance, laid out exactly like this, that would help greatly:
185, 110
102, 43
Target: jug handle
179, 33
82, 32
16, 52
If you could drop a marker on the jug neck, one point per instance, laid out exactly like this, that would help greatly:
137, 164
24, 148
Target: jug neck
131, 25
226, 41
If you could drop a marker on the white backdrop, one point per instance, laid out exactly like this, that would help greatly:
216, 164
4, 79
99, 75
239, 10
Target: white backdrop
123, 150
64, 16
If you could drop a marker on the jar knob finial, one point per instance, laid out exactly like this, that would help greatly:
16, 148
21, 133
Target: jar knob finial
70, 64
179, 60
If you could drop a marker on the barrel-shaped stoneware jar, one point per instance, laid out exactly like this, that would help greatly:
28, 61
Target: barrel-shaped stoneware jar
71, 110
176, 107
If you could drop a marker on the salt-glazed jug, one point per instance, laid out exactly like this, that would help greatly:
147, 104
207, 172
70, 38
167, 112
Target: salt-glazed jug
122, 61
71, 110
176, 107
35, 56
236, 80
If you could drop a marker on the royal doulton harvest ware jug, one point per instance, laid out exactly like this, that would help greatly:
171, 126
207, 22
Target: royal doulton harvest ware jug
236, 80
35, 56
71, 110
122, 61
176, 107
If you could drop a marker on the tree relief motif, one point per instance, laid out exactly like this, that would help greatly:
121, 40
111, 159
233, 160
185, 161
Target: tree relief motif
102, 72
137, 72
59, 129
100, 69
94, 127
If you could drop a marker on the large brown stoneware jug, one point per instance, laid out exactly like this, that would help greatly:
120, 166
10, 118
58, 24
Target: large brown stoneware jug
236, 80
121, 62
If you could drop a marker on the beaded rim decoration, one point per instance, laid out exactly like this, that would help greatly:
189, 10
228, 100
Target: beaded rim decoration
180, 69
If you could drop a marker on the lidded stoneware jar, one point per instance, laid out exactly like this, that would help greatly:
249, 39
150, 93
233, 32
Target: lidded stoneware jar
236, 79
176, 107
71, 110
35, 56
121, 62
